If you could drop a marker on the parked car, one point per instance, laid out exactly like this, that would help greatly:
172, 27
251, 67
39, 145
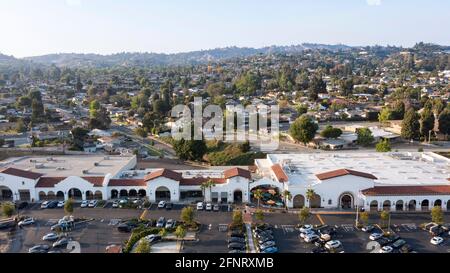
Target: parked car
169, 206
161, 222
307, 233
26, 222
237, 233
238, 246
93, 203
270, 250
383, 241
399, 243
161, 204
126, 227
151, 223
393, 238
265, 239
436, 240
386, 249
61, 242
52, 204
311, 238
61, 204
375, 236
84, 204
325, 237
406, 249
44, 205
264, 233
39, 249
306, 228
50, 237
236, 240
170, 224
153, 238
368, 228
333, 244
216, 207
319, 250
267, 245
208, 207
200, 206
22, 205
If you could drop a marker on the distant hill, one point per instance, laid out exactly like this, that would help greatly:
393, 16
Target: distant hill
156, 59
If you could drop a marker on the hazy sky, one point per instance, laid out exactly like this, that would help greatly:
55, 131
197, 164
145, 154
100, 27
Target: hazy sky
36, 27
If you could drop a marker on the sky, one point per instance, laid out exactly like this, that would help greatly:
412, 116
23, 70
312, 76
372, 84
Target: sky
38, 27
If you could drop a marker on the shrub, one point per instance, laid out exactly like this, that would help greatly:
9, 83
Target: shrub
138, 234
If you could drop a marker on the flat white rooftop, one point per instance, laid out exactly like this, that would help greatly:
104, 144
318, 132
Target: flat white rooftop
390, 168
64, 166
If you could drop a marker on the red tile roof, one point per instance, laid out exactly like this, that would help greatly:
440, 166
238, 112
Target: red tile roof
49, 182
342, 172
164, 173
96, 181
127, 183
407, 190
237, 172
279, 173
21, 173
197, 181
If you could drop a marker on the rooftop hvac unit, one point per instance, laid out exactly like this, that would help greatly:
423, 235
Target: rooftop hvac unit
85, 171
96, 164
39, 166
106, 157
33, 160
50, 159
60, 169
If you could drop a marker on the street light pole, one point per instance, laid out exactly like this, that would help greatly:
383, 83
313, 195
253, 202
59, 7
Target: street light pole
357, 216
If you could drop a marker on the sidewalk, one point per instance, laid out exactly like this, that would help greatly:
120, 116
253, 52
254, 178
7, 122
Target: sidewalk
251, 244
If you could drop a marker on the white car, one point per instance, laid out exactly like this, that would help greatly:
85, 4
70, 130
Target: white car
200, 206
307, 233
311, 238
306, 228
115, 204
61, 204
50, 237
26, 222
436, 241
84, 204
161, 204
209, 207
93, 203
333, 244
386, 249
375, 236
45, 205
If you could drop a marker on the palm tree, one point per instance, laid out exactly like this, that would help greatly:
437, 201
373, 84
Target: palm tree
310, 193
207, 185
287, 197
258, 194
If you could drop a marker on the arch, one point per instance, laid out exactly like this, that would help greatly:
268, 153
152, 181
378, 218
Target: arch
142, 193
438, 203
51, 196
448, 205
98, 195
89, 195
374, 205
114, 194
237, 196
387, 205
162, 194
132, 193
412, 205
6, 194
42, 196
399, 205
123, 193
425, 204
346, 201
60, 195
75, 194
299, 201
316, 201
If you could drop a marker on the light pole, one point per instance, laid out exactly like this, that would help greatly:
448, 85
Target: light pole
357, 216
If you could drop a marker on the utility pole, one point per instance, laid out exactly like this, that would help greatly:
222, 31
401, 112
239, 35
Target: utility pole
357, 216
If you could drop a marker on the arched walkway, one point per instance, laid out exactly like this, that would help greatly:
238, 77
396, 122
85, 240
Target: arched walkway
142, 193
162, 194
412, 205
114, 194
6, 194
237, 196
399, 206
346, 201
316, 201
438, 203
299, 201
123, 193
51, 196
98, 195
425, 205
75, 194
387, 205
89, 195
374, 205
132, 193
448, 205
42, 196
60, 195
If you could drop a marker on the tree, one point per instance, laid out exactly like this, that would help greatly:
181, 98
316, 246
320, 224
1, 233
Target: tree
78, 135
444, 122
383, 146
79, 85
330, 132
237, 220
365, 137
37, 109
259, 215
287, 195
187, 215
364, 217
426, 122
258, 194
411, 125
141, 132
310, 193
163, 232
8, 209
209, 184
99, 116
384, 217
180, 232
143, 247
303, 129
190, 149
302, 109
316, 86
68, 206
346, 87
437, 216
304, 215
385, 115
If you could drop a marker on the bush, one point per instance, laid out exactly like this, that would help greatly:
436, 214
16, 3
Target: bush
138, 234
8, 209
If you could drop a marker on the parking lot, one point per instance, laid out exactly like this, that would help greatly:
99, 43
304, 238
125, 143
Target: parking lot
100, 231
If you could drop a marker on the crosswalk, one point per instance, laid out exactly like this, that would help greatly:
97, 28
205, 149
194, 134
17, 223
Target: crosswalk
348, 228
223, 227
288, 228
409, 227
